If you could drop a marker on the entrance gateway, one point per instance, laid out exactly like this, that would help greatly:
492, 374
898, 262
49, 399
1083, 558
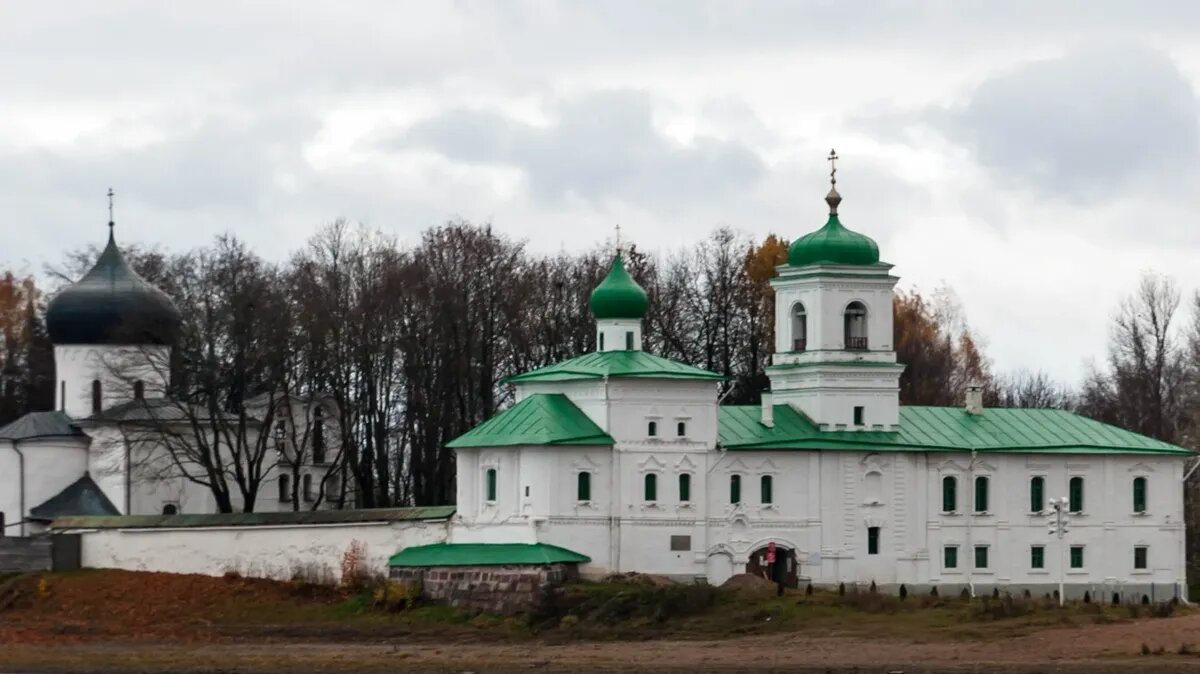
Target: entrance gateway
775, 563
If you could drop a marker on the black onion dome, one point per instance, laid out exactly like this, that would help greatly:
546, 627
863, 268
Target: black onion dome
111, 304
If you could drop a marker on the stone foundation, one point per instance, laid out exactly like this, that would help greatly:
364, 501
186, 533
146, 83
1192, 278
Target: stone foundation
506, 590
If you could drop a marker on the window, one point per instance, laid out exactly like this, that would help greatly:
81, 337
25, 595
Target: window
949, 494
602, 341
1076, 556
1037, 494
307, 489
650, 488
285, 487
1037, 557
170, 509
139, 390
735, 489
764, 486
1140, 554
490, 485
1076, 495
96, 396
319, 435
652, 428
1139, 494
526, 491
62, 395
799, 328
685, 488
681, 543
2, 534
856, 326
629, 341
681, 429
858, 416
950, 557
872, 540
981, 494
583, 487
981, 556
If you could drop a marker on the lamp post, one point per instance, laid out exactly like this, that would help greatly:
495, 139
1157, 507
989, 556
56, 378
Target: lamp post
1059, 508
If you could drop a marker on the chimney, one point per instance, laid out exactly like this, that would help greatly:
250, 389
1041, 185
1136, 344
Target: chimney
768, 409
974, 398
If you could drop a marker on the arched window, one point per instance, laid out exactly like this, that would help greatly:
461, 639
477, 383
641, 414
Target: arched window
1037, 494
1139, 494
139, 390
170, 509
1075, 495
949, 494
97, 398
650, 488
583, 486
319, 435
652, 428
629, 341
799, 327
764, 487
856, 325
981, 494
681, 429
285, 487
306, 481
685, 488
735, 489
490, 487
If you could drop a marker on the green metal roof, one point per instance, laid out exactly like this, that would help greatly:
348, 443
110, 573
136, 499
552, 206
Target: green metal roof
539, 419
257, 519
618, 295
484, 554
616, 364
41, 425
942, 429
833, 244
81, 497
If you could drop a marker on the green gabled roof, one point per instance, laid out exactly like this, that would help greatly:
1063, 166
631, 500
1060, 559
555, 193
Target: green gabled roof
942, 429
539, 419
485, 554
81, 497
616, 364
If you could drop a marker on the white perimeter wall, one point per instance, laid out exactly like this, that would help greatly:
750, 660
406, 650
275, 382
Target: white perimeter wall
268, 552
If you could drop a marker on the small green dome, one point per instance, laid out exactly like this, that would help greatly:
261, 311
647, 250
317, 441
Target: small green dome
618, 295
833, 243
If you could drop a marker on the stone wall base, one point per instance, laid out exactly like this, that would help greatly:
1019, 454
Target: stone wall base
506, 590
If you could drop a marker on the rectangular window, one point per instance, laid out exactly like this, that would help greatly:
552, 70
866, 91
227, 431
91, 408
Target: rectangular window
1139, 494
685, 488
1076, 495
629, 341
1076, 556
735, 489
652, 428
601, 341
681, 543
949, 494
1037, 494
681, 429
1037, 557
490, 485
950, 557
765, 487
285, 488
1140, 555
981, 494
858, 416
583, 487
650, 491
981, 556
872, 540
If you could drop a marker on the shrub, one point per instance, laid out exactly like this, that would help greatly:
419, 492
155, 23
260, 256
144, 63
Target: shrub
933, 591
808, 590
841, 589
1027, 594
1116, 599
965, 594
1087, 597
873, 589
995, 593
903, 592
1134, 609
1185, 649
396, 595
1145, 649
999, 609
1163, 610
355, 575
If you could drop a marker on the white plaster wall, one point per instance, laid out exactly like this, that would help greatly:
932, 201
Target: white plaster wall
51, 465
76, 366
611, 335
274, 552
10, 498
825, 292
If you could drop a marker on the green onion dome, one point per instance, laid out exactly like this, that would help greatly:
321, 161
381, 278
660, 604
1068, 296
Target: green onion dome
833, 243
618, 295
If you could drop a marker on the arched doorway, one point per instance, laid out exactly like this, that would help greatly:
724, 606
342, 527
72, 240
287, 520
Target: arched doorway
784, 569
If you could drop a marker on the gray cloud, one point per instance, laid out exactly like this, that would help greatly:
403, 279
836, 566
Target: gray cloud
1097, 119
600, 146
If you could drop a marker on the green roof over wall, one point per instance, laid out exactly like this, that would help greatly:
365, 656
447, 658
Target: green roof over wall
948, 429
484, 554
616, 364
539, 419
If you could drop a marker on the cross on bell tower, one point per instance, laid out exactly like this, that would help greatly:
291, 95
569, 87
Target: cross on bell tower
110, 209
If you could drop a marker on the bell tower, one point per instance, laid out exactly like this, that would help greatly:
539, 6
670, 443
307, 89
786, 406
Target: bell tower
834, 358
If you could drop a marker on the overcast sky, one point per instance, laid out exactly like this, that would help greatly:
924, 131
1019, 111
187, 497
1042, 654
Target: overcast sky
1036, 157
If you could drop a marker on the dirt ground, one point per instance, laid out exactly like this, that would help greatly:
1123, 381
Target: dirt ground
125, 622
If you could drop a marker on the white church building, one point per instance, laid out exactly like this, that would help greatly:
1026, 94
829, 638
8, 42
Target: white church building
630, 460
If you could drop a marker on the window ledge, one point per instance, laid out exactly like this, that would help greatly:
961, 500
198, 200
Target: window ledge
1038, 572
583, 504
950, 513
769, 506
489, 503
1141, 572
983, 572
982, 513
951, 572
1143, 513
1077, 572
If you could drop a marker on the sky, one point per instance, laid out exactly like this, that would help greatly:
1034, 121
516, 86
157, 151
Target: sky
1036, 157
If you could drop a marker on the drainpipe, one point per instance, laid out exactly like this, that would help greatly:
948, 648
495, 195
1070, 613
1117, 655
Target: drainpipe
20, 486
128, 478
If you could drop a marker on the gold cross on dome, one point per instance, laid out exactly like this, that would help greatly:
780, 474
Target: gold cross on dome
833, 167
618, 239
110, 207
